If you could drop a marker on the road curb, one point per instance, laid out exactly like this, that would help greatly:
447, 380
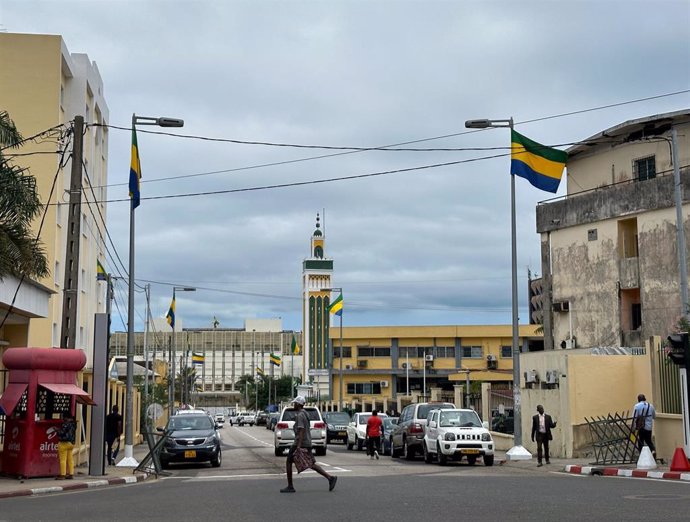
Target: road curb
630, 473
118, 481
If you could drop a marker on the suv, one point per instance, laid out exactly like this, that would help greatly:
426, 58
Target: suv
191, 437
408, 435
220, 419
261, 418
336, 424
357, 429
454, 434
284, 434
245, 418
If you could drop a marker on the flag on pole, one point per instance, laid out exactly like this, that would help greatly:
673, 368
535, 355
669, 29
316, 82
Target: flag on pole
542, 166
275, 359
336, 306
100, 272
197, 358
134, 171
259, 371
294, 347
170, 316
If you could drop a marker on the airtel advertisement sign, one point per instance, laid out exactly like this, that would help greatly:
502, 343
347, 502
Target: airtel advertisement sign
37, 457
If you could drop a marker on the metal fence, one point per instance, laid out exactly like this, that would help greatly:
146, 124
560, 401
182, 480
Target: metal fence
669, 383
613, 439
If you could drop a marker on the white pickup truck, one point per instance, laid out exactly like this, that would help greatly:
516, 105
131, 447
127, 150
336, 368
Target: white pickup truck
245, 418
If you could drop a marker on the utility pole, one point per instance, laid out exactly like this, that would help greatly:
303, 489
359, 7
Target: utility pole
70, 295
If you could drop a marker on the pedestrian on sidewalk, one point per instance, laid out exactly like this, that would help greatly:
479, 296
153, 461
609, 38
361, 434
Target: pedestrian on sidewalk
643, 420
374, 434
300, 451
113, 432
66, 439
541, 429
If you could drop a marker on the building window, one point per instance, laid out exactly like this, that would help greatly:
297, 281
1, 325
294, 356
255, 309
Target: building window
644, 168
473, 352
636, 310
364, 388
506, 352
347, 351
627, 238
371, 351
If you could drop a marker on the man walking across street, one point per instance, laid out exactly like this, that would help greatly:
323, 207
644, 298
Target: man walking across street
374, 434
301, 448
643, 419
113, 431
541, 429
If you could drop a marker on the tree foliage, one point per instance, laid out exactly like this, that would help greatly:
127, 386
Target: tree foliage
21, 254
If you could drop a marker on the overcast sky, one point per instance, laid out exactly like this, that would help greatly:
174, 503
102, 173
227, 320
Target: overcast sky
422, 247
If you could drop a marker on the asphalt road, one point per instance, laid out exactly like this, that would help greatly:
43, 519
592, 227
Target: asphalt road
247, 486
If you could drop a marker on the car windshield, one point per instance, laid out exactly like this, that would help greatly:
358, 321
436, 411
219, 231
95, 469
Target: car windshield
189, 422
363, 419
464, 419
312, 413
424, 409
389, 423
338, 418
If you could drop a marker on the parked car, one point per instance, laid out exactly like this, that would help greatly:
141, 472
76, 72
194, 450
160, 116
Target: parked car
284, 434
261, 418
503, 423
220, 420
272, 421
389, 424
245, 418
357, 429
191, 437
457, 434
408, 435
336, 425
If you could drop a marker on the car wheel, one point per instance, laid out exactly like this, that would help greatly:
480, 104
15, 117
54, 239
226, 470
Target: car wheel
216, 462
279, 452
320, 452
488, 460
442, 459
407, 451
359, 443
428, 457
394, 453
471, 460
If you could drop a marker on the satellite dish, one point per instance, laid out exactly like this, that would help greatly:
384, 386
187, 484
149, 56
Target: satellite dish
154, 411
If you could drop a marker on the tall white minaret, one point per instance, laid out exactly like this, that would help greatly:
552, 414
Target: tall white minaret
316, 275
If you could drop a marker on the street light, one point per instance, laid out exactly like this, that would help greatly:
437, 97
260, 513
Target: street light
134, 180
517, 452
340, 376
171, 399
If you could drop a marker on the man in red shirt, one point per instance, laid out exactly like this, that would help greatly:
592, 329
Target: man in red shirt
374, 434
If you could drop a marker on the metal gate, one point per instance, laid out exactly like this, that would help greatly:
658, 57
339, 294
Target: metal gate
614, 439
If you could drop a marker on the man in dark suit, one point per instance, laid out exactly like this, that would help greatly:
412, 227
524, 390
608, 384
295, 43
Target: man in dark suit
541, 428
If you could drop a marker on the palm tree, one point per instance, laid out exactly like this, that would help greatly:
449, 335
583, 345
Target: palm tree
21, 254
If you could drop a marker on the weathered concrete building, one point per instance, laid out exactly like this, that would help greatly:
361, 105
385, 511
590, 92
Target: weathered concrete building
609, 254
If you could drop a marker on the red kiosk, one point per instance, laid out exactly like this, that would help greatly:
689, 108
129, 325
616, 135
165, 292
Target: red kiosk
41, 388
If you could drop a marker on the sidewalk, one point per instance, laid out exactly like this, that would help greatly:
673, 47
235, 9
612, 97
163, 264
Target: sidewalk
586, 467
13, 487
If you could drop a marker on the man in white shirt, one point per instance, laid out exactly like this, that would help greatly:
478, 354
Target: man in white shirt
643, 420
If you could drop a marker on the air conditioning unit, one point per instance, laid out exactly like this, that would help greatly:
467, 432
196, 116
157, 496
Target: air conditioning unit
384, 384
531, 376
561, 306
348, 367
491, 362
552, 377
429, 358
407, 366
569, 344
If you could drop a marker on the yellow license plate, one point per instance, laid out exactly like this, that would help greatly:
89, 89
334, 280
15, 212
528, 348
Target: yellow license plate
190, 454
470, 451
